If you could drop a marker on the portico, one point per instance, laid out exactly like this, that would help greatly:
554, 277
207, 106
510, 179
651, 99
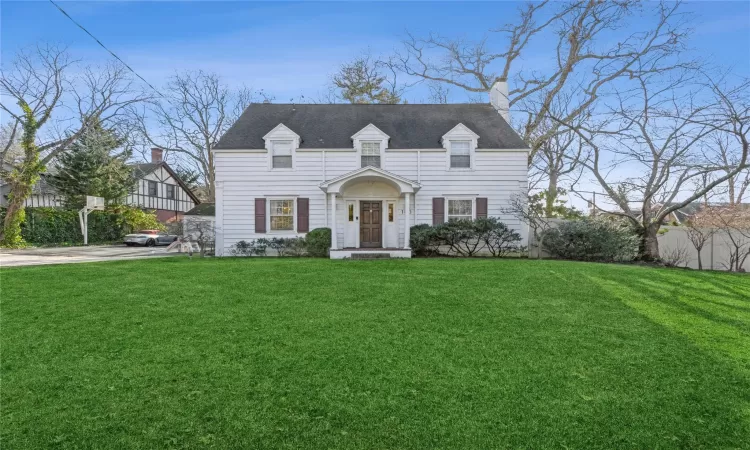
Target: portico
370, 210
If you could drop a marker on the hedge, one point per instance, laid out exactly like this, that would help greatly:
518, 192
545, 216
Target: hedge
316, 244
57, 226
592, 240
464, 237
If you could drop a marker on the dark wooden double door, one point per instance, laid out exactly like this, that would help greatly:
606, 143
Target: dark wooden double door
370, 224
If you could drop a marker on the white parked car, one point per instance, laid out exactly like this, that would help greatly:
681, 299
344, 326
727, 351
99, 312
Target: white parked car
149, 238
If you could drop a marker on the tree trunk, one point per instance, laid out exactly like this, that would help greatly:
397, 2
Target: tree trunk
211, 178
549, 206
15, 215
700, 262
648, 248
22, 179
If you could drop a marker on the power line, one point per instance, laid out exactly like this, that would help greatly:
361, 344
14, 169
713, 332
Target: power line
104, 47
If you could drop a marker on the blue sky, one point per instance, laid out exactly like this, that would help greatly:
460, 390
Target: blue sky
289, 48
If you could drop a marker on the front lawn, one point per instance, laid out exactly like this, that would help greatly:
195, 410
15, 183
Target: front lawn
302, 353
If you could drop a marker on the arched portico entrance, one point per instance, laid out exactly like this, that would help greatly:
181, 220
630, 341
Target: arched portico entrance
377, 209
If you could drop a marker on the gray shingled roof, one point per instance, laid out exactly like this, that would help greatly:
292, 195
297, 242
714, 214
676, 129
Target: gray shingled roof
331, 126
140, 170
204, 209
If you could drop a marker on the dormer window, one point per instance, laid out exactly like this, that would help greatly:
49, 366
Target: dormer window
370, 142
281, 154
281, 143
371, 153
460, 144
460, 154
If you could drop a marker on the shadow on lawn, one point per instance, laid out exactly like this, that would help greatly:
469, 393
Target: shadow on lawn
687, 305
710, 316
696, 304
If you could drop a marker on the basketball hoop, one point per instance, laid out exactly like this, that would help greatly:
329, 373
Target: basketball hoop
92, 203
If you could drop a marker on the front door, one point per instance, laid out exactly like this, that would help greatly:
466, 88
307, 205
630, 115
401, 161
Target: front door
370, 224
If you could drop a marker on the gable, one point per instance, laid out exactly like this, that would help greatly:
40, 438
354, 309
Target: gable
410, 126
370, 132
161, 173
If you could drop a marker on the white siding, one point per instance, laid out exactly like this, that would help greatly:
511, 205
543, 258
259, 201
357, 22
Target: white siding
244, 176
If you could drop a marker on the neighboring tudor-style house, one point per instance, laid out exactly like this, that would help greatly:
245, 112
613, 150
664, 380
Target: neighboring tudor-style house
368, 172
157, 187
42, 194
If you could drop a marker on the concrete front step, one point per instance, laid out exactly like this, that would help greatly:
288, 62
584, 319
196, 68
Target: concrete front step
379, 253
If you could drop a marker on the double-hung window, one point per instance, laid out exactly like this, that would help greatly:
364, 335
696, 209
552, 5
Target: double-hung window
282, 155
282, 215
170, 191
460, 155
153, 189
371, 154
460, 209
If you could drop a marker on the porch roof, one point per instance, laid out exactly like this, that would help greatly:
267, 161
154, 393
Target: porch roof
404, 185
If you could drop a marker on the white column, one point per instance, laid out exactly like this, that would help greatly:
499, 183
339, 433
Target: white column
334, 235
219, 219
407, 222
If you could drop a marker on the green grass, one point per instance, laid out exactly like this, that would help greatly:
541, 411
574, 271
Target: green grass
373, 354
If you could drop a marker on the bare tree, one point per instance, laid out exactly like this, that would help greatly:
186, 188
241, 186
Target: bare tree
539, 225
734, 223
659, 130
587, 60
202, 232
194, 111
439, 92
50, 110
725, 153
580, 46
10, 148
367, 79
558, 157
699, 231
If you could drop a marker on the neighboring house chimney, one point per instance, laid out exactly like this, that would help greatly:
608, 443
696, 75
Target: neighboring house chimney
499, 98
156, 155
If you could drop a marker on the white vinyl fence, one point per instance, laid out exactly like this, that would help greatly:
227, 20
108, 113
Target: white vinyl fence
715, 254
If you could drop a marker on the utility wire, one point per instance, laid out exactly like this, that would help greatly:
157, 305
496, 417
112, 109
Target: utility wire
105, 47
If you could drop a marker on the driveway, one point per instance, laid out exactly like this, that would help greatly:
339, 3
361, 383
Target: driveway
63, 255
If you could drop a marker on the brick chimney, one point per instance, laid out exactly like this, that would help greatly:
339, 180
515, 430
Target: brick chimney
499, 98
156, 155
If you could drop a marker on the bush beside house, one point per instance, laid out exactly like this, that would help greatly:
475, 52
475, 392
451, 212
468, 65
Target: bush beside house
484, 236
316, 244
592, 240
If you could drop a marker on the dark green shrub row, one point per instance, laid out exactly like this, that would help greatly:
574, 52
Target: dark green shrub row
464, 238
58, 226
592, 240
316, 243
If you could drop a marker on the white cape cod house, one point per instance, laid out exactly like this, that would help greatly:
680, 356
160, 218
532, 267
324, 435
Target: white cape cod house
368, 172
